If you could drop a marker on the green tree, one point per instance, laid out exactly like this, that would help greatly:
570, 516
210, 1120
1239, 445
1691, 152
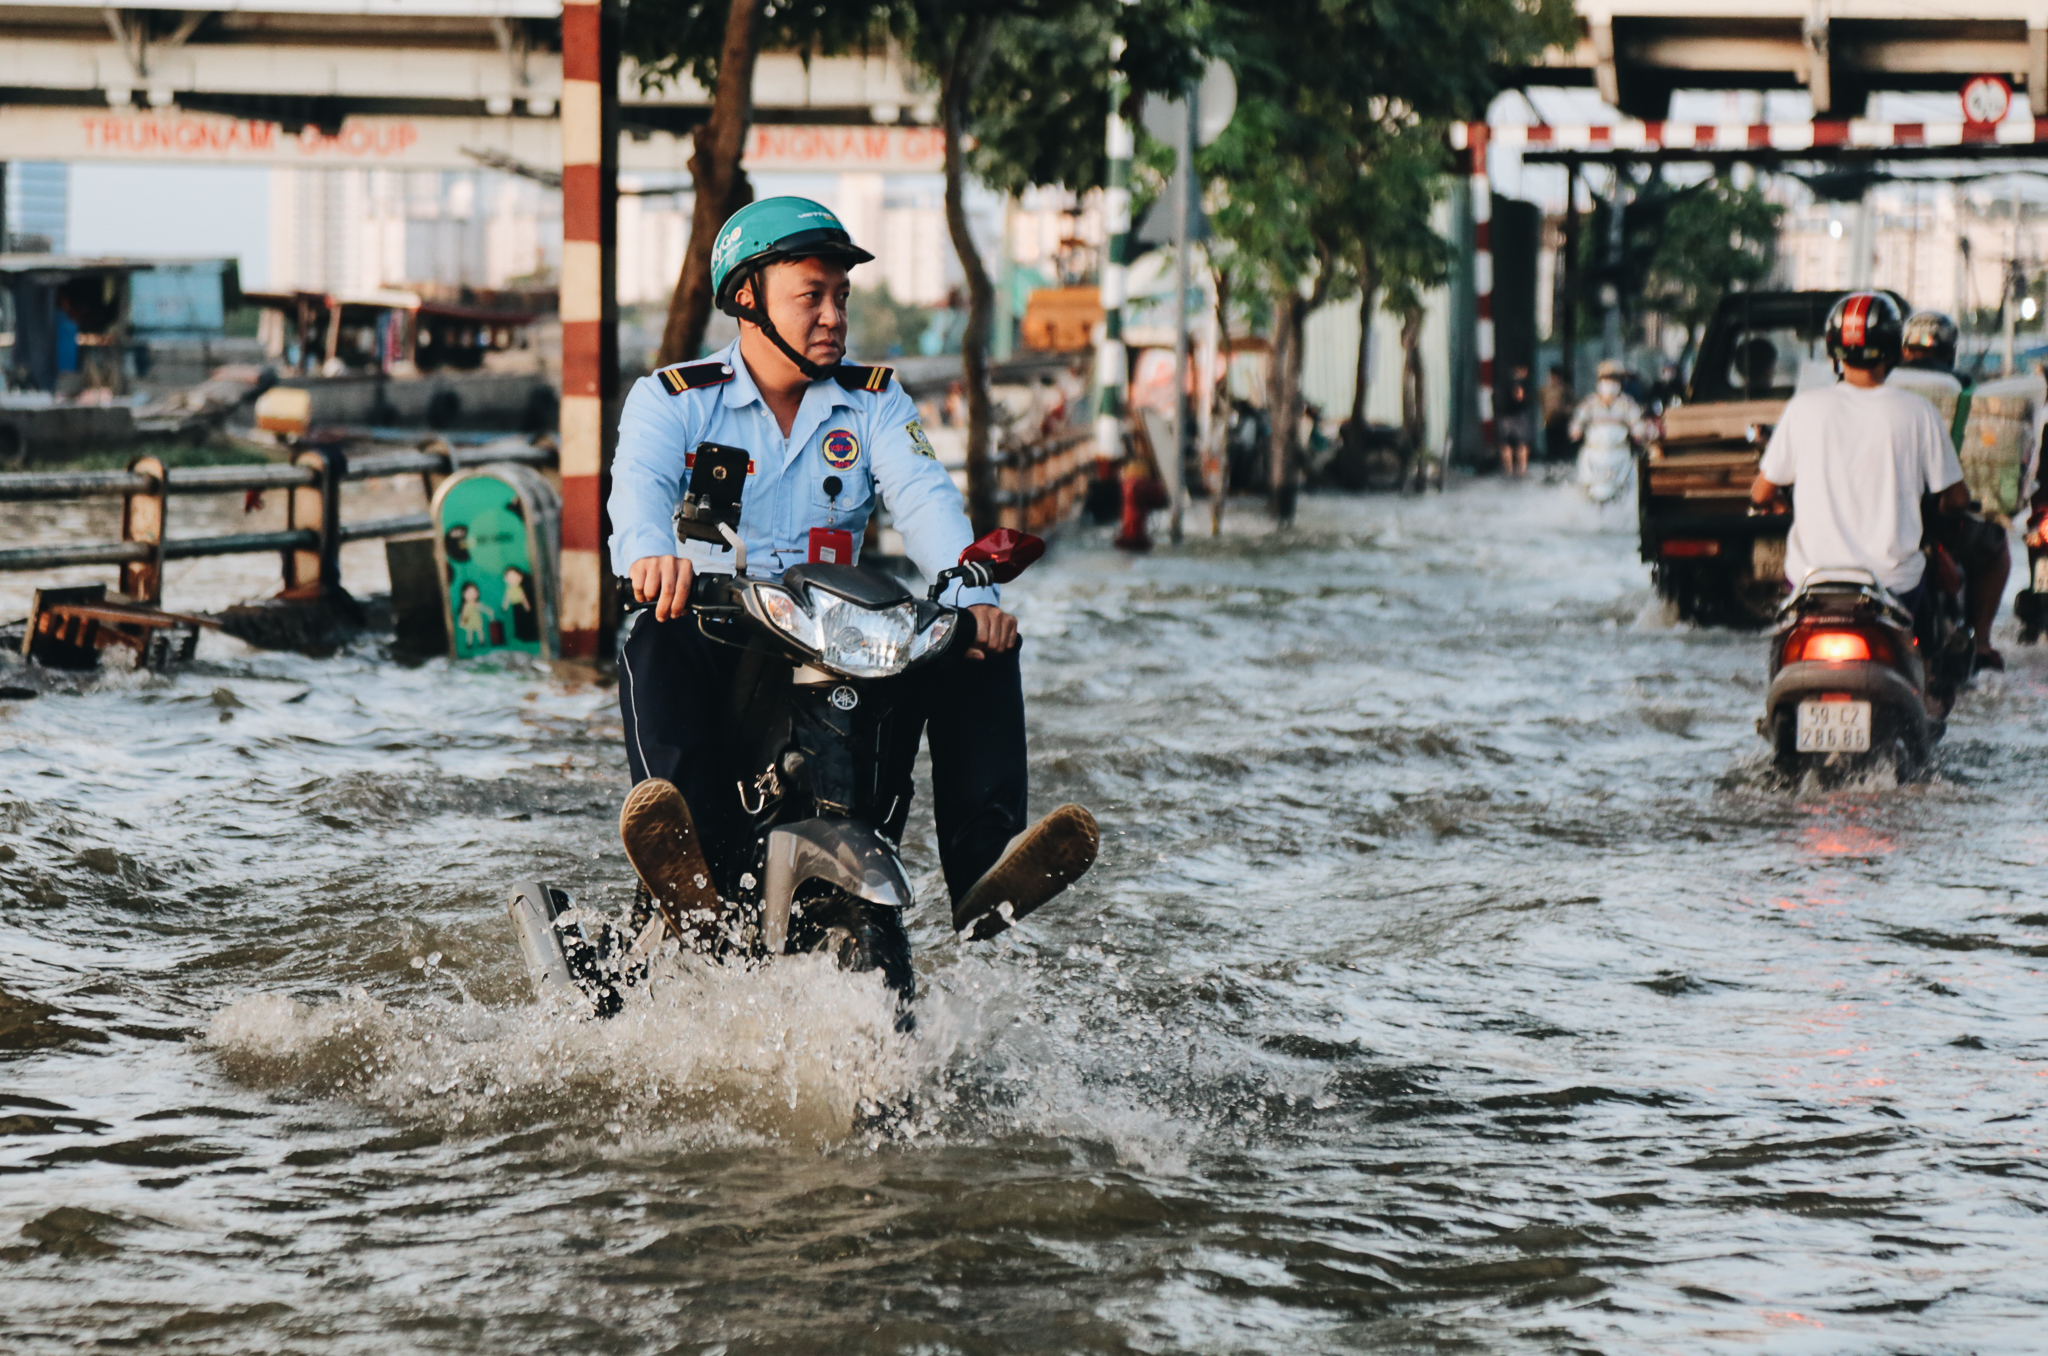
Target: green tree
1029, 82
1715, 238
1332, 92
1397, 254
1412, 259
717, 42
880, 326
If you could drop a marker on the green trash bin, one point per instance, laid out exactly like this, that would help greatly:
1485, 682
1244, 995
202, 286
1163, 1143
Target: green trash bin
498, 543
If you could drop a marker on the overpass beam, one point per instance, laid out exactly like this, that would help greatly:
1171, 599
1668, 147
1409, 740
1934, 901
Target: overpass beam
1605, 77
2037, 64
1813, 34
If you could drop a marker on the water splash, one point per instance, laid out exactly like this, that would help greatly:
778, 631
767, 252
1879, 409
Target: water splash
705, 1053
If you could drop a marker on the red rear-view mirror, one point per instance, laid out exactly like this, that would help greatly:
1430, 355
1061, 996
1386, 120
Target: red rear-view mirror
1005, 553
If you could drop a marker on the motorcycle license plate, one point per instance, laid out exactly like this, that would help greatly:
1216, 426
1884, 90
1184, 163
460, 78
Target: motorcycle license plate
1834, 727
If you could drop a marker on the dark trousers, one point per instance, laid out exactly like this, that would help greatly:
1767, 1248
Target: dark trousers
674, 695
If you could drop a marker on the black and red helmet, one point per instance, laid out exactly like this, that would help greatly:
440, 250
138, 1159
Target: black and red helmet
1865, 330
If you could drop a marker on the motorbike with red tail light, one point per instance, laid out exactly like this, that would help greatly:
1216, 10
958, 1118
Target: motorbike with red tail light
1855, 684
823, 728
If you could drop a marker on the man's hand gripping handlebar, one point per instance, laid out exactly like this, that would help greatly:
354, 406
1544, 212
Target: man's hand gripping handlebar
663, 581
666, 583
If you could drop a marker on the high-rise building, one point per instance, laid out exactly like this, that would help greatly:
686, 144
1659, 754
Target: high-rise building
352, 231
37, 207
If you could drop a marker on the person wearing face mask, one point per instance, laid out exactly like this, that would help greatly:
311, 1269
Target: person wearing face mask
1606, 427
1608, 404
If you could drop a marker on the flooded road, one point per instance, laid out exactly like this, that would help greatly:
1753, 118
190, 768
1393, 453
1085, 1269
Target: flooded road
1455, 978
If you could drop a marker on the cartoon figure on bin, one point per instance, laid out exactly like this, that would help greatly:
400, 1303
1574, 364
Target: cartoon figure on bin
472, 616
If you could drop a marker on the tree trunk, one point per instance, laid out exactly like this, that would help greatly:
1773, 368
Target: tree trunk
1368, 302
1219, 409
1414, 427
721, 185
955, 84
1289, 315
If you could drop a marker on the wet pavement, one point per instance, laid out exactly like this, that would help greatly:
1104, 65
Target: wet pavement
1456, 977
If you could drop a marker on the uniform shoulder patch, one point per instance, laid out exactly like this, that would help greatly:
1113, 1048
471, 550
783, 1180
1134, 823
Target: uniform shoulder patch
694, 376
854, 377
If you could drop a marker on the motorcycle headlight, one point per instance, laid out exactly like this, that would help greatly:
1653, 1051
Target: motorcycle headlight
863, 642
780, 609
934, 636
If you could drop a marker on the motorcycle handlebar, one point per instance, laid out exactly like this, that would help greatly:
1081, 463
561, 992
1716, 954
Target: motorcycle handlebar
708, 592
713, 593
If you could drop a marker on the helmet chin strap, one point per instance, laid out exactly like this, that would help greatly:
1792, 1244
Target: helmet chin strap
758, 315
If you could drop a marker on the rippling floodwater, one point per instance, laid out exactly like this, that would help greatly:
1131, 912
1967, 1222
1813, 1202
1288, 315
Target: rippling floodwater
1455, 977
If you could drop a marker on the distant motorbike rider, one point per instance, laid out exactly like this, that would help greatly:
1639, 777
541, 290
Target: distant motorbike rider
827, 438
1858, 456
1980, 545
1609, 404
1607, 426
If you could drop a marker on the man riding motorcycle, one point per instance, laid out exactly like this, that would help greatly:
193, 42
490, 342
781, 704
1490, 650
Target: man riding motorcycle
1857, 457
1609, 404
1606, 426
1980, 546
826, 438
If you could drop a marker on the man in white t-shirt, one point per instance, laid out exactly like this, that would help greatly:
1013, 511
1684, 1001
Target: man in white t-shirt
1858, 456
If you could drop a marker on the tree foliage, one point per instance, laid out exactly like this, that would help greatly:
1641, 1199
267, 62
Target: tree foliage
1327, 175
1330, 92
1715, 238
1028, 81
716, 42
671, 38
1041, 105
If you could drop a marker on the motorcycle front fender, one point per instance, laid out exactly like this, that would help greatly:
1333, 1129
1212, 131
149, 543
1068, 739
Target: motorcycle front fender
841, 852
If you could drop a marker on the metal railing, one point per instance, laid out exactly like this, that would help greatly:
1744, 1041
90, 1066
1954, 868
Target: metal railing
310, 544
1038, 482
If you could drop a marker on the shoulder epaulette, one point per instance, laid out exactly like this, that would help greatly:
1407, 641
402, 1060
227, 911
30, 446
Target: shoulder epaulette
854, 377
694, 376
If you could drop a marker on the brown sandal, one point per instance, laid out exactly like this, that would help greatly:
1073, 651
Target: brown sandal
661, 843
1039, 863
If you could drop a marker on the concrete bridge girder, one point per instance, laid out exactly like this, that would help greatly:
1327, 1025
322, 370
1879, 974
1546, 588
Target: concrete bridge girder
446, 57
1635, 52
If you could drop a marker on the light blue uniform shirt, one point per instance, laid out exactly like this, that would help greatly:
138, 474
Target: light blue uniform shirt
870, 442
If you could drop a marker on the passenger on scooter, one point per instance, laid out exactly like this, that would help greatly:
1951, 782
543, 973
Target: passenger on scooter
1980, 546
1857, 457
827, 438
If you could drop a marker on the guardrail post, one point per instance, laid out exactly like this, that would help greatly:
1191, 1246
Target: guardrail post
142, 520
317, 508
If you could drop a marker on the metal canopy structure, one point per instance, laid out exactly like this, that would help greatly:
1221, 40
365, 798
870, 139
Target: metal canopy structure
1637, 52
317, 63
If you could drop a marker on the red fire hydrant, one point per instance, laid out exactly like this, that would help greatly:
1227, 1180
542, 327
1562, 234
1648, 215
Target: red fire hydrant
1142, 494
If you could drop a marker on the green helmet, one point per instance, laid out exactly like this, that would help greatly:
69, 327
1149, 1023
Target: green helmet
769, 232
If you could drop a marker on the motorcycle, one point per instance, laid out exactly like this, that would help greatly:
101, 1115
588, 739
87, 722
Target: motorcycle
1851, 685
1606, 462
829, 652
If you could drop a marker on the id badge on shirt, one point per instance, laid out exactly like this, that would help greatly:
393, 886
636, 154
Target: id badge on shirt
831, 546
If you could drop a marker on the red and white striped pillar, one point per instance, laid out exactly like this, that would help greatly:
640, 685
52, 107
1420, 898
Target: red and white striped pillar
590, 313
1482, 275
